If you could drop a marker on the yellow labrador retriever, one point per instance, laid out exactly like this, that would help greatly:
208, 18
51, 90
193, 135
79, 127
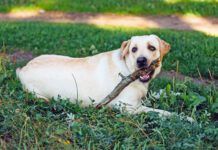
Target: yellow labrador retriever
93, 78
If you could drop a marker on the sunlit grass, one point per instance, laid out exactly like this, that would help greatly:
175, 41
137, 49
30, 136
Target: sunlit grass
24, 9
138, 7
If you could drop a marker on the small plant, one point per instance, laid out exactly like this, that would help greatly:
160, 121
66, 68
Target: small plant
3, 61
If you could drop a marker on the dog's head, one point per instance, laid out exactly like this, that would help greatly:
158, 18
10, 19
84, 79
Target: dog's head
141, 51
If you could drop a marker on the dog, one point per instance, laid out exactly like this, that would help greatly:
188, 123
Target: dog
93, 78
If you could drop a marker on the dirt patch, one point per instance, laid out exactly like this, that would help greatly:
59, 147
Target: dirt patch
20, 56
207, 25
198, 81
7, 137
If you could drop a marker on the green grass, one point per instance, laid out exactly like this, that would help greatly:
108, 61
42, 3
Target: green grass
30, 123
190, 50
139, 7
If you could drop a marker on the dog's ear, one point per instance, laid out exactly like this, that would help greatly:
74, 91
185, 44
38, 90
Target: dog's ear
124, 48
164, 47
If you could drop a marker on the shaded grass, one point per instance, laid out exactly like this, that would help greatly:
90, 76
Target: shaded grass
190, 50
27, 122
139, 7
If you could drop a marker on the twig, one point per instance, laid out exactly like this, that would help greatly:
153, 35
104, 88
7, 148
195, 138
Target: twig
211, 77
200, 75
77, 91
177, 69
126, 80
136, 125
121, 75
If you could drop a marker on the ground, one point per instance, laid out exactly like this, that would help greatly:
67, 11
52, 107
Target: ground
207, 25
187, 85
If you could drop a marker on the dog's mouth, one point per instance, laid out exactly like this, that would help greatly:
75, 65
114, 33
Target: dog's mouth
147, 76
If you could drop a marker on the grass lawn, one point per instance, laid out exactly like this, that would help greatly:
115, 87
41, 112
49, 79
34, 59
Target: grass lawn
190, 50
139, 7
27, 122
30, 123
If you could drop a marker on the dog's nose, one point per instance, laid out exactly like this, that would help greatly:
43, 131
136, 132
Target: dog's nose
141, 62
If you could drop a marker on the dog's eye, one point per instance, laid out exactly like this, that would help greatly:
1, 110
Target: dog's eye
152, 48
134, 49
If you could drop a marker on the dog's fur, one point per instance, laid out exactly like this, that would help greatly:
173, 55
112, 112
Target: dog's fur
93, 78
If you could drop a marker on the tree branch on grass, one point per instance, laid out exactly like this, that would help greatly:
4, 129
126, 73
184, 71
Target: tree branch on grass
126, 80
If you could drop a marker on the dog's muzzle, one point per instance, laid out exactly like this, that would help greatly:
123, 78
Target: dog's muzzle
147, 75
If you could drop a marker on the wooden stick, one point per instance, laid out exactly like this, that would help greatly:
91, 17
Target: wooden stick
126, 80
